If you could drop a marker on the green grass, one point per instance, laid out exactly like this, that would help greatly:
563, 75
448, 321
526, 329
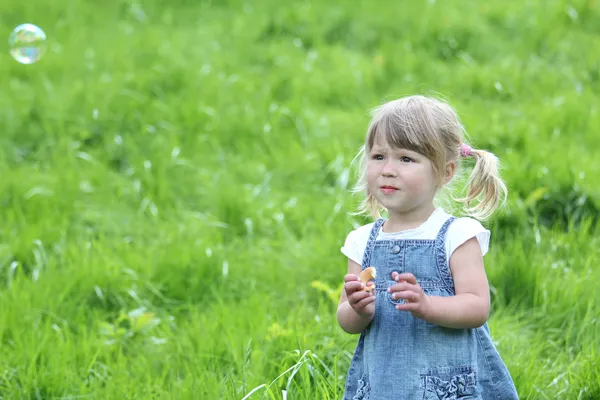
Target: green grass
174, 177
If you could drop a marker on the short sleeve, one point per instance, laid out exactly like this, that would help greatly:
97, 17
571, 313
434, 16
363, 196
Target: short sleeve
351, 249
463, 229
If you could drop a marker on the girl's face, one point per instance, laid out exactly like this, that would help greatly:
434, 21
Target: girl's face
401, 180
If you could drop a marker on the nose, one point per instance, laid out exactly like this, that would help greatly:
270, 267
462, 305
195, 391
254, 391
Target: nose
387, 170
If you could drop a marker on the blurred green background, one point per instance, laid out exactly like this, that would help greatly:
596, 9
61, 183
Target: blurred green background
174, 187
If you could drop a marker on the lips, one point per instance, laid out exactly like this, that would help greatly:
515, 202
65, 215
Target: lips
388, 189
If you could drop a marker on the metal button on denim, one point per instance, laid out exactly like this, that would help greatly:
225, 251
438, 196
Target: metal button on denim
396, 249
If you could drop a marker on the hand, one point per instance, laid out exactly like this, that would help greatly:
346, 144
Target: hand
408, 289
362, 302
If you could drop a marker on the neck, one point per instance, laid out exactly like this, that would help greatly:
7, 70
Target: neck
401, 221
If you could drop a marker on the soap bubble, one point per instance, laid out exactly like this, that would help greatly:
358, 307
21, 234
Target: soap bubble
27, 43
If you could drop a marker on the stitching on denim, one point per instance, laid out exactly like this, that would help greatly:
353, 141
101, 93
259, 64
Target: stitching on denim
368, 249
442, 264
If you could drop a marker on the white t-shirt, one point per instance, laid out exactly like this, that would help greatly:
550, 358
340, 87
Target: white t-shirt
459, 231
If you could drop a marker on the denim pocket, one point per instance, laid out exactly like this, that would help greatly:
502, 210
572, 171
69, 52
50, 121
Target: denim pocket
451, 384
394, 301
389, 283
364, 389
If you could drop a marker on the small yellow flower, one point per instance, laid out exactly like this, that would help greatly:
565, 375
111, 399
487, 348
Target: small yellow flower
275, 331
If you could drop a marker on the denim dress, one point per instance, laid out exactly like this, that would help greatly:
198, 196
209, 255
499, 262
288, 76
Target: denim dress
401, 357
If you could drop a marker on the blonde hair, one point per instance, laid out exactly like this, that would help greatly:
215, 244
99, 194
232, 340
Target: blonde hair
429, 126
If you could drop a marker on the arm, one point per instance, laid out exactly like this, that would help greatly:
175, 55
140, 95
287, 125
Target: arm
469, 308
356, 317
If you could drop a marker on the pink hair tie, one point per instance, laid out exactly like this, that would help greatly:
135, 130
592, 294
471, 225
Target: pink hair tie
465, 150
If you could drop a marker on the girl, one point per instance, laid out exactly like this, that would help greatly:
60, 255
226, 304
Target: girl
423, 329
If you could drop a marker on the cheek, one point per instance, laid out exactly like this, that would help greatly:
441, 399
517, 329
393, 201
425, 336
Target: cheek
372, 174
421, 179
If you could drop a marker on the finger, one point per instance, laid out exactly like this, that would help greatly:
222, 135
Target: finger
369, 286
365, 302
406, 295
407, 276
356, 297
403, 286
352, 287
407, 307
351, 278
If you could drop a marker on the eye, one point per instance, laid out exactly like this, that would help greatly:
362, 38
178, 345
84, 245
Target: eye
377, 157
406, 159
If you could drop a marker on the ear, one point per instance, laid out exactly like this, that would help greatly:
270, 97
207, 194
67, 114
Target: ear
449, 171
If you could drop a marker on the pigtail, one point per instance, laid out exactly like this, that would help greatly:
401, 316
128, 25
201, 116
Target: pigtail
484, 185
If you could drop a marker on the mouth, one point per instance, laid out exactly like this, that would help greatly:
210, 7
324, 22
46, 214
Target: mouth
388, 189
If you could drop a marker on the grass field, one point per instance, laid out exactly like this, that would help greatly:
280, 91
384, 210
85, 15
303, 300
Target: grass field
174, 188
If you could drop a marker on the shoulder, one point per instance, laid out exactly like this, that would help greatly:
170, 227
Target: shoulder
356, 241
360, 234
464, 224
465, 228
